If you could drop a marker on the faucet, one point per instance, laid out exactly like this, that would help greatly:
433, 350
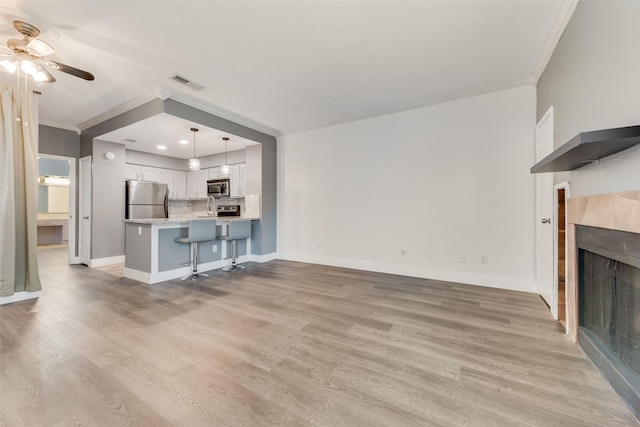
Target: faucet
211, 208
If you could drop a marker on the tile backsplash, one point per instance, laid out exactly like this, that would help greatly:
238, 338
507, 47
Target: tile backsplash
249, 206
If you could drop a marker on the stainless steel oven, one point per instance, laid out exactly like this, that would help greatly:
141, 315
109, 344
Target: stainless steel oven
218, 187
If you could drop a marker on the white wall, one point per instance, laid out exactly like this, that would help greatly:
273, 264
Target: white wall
592, 81
441, 181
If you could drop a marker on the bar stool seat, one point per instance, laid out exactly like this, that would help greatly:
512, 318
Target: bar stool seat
237, 230
200, 230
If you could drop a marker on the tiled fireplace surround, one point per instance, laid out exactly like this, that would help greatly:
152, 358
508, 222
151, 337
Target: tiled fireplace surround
615, 211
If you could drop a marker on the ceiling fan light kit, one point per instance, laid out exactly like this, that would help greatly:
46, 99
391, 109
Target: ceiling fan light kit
27, 55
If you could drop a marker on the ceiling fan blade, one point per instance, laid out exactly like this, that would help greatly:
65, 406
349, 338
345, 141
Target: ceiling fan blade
70, 70
42, 75
38, 48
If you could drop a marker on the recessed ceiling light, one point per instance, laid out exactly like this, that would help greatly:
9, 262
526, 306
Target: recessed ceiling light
162, 147
184, 142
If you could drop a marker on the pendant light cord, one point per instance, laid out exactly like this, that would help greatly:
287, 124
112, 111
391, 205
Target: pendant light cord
194, 130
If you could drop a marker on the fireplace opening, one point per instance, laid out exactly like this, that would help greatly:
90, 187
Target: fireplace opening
609, 307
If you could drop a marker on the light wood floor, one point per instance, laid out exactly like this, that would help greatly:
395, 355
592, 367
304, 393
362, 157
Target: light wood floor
290, 344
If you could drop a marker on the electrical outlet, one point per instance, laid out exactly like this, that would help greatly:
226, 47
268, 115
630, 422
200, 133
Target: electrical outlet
484, 259
214, 248
403, 252
461, 259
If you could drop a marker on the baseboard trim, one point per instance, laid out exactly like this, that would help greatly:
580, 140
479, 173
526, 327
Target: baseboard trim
262, 258
163, 276
499, 282
19, 296
101, 262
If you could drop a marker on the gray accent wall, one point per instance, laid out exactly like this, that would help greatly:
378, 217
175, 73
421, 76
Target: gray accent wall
58, 142
56, 167
592, 82
107, 200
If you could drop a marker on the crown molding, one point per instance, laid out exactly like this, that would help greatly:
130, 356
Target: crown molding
58, 125
225, 114
567, 8
122, 108
424, 103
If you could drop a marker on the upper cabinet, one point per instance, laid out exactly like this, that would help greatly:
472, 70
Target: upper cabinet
237, 180
214, 173
188, 185
197, 184
132, 172
179, 185
150, 174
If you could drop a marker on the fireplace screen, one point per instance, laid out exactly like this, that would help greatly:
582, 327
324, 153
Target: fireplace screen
609, 305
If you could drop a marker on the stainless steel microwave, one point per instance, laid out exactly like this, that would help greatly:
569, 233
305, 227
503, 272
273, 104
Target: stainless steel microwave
218, 187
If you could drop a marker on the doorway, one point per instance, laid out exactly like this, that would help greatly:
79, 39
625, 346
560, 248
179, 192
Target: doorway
57, 203
560, 249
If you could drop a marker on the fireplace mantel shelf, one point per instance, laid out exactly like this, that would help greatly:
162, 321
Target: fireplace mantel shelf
587, 147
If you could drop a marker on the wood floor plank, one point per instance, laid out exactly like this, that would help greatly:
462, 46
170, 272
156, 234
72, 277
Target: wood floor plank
290, 344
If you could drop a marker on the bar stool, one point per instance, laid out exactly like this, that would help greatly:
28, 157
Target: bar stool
236, 230
200, 230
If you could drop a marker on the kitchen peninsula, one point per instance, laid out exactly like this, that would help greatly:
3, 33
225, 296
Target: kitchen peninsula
152, 255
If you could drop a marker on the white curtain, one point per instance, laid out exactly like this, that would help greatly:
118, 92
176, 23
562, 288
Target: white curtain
18, 191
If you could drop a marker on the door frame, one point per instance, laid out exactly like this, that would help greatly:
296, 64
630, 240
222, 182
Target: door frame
84, 179
556, 188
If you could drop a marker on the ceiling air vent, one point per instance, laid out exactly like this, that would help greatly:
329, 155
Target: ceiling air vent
130, 140
187, 82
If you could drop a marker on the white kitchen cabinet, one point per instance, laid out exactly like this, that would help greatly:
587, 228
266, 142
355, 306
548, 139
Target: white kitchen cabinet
214, 173
166, 177
237, 180
179, 185
132, 172
150, 174
197, 184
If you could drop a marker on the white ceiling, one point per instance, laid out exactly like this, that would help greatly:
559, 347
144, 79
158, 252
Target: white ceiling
284, 66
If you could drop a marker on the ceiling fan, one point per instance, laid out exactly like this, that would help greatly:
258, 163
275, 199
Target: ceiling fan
28, 53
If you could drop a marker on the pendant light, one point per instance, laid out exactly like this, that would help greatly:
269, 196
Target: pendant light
225, 170
194, 163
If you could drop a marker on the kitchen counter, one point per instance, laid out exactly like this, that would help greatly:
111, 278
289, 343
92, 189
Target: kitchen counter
185, 220
152, 255
53, 228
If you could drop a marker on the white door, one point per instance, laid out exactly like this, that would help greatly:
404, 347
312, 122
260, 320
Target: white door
73, 259
84, 247
545, 215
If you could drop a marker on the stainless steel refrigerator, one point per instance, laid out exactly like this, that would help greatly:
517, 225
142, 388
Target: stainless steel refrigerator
146, 199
